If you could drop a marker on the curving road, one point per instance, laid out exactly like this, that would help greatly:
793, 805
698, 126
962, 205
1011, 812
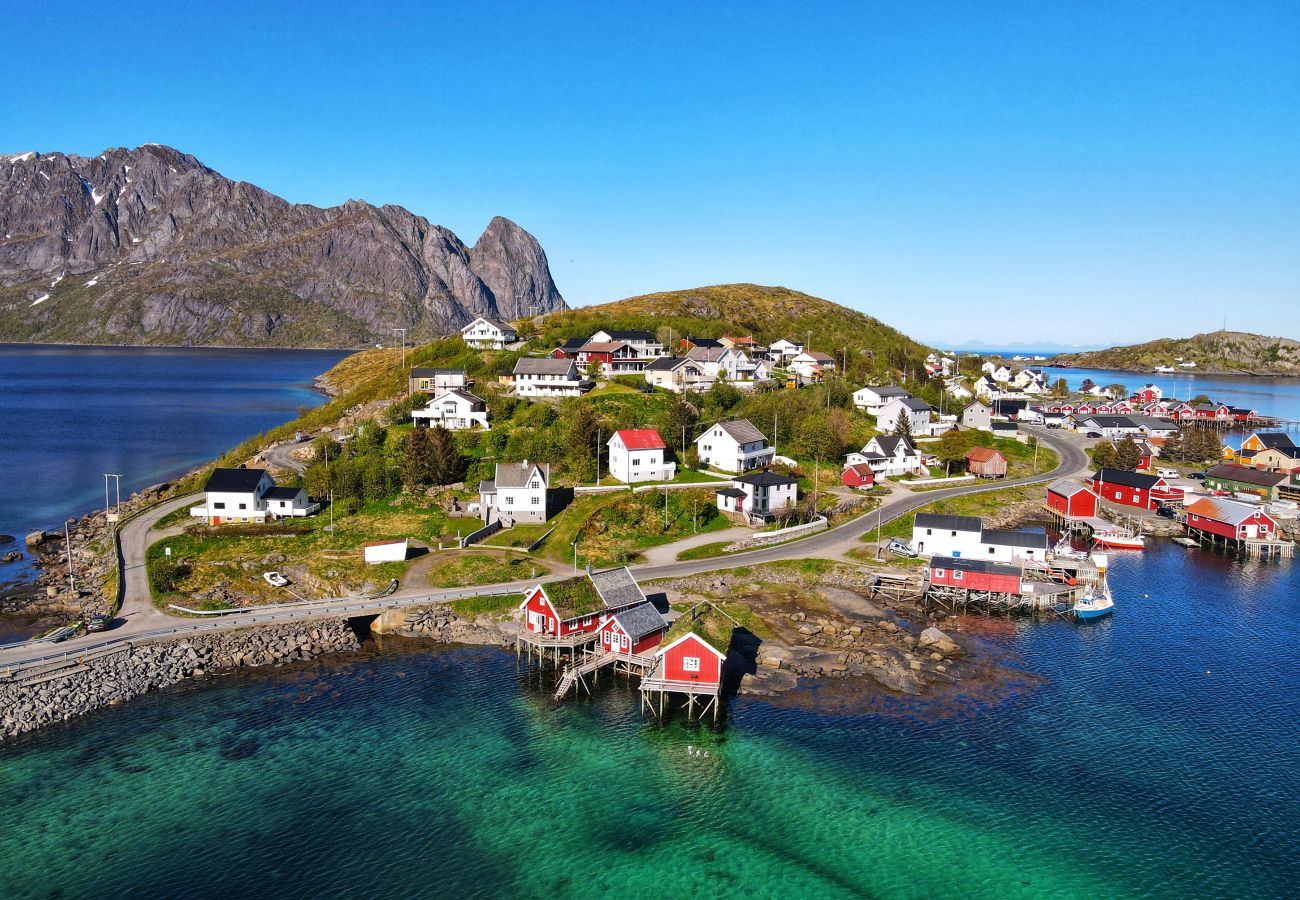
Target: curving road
141, 619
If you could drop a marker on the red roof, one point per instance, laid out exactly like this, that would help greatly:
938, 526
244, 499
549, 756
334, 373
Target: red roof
981, 454
640, 439
862, 470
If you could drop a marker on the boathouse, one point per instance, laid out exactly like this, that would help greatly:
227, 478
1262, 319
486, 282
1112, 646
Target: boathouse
577, 605
1245, 480
976, 575
858, 475
632, 632
985, 462
1134, 489
1071, 500
1230, 519
692, 661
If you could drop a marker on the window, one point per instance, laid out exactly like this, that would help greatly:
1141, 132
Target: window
218, 505
939, 573
243, 506
537, 501
956, 574
691, 664
510, 501
992, 550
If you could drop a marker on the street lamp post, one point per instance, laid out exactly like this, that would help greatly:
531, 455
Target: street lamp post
67, 544
117, 481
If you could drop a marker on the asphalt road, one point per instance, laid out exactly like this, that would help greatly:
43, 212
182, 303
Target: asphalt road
141, 619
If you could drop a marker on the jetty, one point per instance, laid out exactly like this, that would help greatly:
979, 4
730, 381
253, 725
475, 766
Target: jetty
576, 676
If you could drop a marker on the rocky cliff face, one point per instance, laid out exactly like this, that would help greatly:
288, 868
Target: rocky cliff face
150, 246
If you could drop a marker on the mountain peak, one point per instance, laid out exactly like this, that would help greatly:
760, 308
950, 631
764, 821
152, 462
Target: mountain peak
174, 252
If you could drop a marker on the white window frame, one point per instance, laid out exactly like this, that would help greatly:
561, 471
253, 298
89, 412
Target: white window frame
690, 664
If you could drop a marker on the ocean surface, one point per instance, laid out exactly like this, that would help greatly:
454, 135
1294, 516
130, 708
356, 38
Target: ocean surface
1152, 754
69, 414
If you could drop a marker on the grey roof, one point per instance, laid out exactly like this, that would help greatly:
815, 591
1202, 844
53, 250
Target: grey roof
730, 492
706, 354
504, 326
544, 366
1066, 487
516, 475
1246, 475
742, 431
1156, 423
617, 587
1112, 421
666, 363
1034, 538
487, 486
461, 393
887, 390
948, 523
914, 404
888, 443
640, 620
234, 481
283, 493
641, 336
765, 479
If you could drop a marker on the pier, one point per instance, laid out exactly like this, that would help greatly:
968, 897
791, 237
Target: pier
575, 675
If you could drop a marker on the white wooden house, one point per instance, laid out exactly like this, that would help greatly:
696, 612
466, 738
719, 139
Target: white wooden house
547, 377
889, 454
520, 492
758, 496
681, 375
455, 410
637, 454
249, 495
489, 334
735, 446
872, 399
917, 414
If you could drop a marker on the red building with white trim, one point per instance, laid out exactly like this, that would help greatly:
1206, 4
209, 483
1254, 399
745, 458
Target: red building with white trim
976, 575
860, 475
691, 659
1134, 489
1230, 519
580, 604
633, 632
1070, 499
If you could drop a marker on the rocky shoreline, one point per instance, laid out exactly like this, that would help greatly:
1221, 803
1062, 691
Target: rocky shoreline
38, 700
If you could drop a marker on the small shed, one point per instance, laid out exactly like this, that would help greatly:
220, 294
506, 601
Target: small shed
1072, 500
859, 475
986, 462
386, 551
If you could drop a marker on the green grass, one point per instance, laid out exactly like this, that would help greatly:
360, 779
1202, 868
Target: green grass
982, 504
613, 529
704, 551
519, 537
486, 606
464, 569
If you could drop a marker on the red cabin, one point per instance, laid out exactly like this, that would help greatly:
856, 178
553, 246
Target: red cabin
1230, 519
1134, 488
1071, 499
860, 475
975, 575
691, 659
579, 605
634, 631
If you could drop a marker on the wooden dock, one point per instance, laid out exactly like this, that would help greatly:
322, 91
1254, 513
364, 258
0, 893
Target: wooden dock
576, 675
549, 648
708, 697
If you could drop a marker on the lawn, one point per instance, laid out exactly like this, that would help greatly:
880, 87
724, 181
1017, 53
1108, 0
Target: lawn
518, 537
613, 529
463, 569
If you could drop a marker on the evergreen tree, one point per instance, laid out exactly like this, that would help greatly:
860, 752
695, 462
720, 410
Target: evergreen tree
417, 458
903, 428
446, 465
1173, 448
1103, 455
1127, 455
580, 441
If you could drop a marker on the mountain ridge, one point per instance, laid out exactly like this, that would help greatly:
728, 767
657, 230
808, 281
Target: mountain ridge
151, 246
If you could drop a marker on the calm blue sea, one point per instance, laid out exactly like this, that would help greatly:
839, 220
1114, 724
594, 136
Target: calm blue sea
69, 414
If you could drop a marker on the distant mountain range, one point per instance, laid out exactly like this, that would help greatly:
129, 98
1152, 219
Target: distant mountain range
1216, 352
150, 246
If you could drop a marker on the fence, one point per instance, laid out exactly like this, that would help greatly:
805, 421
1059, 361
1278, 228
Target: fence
487, 530
762, 539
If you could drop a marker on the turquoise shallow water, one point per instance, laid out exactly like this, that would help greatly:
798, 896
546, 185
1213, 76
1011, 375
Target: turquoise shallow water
1155, 755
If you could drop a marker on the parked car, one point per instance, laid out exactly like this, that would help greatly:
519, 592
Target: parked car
98, 623
900, 548
275, 579
1093, 434
1166, 512
1196, 476
1168, 473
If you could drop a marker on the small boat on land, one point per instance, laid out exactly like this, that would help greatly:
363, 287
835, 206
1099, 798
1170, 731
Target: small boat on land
1114, 539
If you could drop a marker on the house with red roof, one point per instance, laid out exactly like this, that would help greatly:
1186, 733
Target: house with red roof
985, 462
859, 475
637, 454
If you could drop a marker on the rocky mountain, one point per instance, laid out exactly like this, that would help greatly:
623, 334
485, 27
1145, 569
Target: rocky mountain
1216, 352
150, 246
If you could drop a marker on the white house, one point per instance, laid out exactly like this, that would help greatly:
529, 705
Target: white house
681, 375
784, 349
455, 410
1108, 426
758, 496
956, 390
489, 334
1013, 545
937, 535
547, 377
735, 446
872, 399
811, 365
888, 454
976, 415
637, 454
646, 344
1002, 374
249, 495
520, 492
915, 412
426, 380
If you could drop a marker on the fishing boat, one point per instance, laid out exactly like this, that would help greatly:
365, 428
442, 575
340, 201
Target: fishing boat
1114, 539
1165, 370
1094, 604
1065, 550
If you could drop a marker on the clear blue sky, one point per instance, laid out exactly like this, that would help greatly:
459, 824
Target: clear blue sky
1078, 172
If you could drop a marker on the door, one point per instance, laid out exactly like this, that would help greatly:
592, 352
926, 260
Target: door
216, 520
1252, 532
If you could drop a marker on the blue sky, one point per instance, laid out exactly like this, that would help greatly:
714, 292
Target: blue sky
1082, 173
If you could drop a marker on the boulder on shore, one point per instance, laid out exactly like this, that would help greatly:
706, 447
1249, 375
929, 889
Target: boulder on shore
36, 538
934, 639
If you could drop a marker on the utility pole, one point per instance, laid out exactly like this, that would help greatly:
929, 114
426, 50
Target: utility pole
665, 510
695, 505
597, 455
401, 336
575, 556
331, 510
879, 510
67, 545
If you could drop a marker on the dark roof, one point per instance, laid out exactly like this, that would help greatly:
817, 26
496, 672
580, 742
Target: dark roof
886, 390
544, 366
640, 620
573, 344
1274, 440
765, 479
1246, 475
234, 481
948, 523
705, 342
911, 403
730, 492
497, 323
425, 372
1017, 537
283, 493
888, 443
642, 336
1127, 479
986, 566
742, 431
668, 363
617, 587
1008, 407
516, 475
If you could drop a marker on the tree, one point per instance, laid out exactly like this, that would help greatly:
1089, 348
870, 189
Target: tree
376, 482
952, 447
1117, 390
1173, 448
580, 441
417, 458
1127, 455
446, 466
1061, 388
903, 427
1087, 385
1199, 399
1103, 455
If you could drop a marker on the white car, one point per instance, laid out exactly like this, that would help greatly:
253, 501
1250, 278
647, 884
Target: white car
275, 579
1169, 473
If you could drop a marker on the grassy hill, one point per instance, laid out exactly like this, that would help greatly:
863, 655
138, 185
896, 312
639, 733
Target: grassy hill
1217, 352
766, 313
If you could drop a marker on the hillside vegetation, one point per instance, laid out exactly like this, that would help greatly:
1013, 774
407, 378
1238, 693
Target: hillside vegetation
766, 313
1216, 352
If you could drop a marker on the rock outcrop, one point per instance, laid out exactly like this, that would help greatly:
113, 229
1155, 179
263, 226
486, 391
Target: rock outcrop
150, 246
